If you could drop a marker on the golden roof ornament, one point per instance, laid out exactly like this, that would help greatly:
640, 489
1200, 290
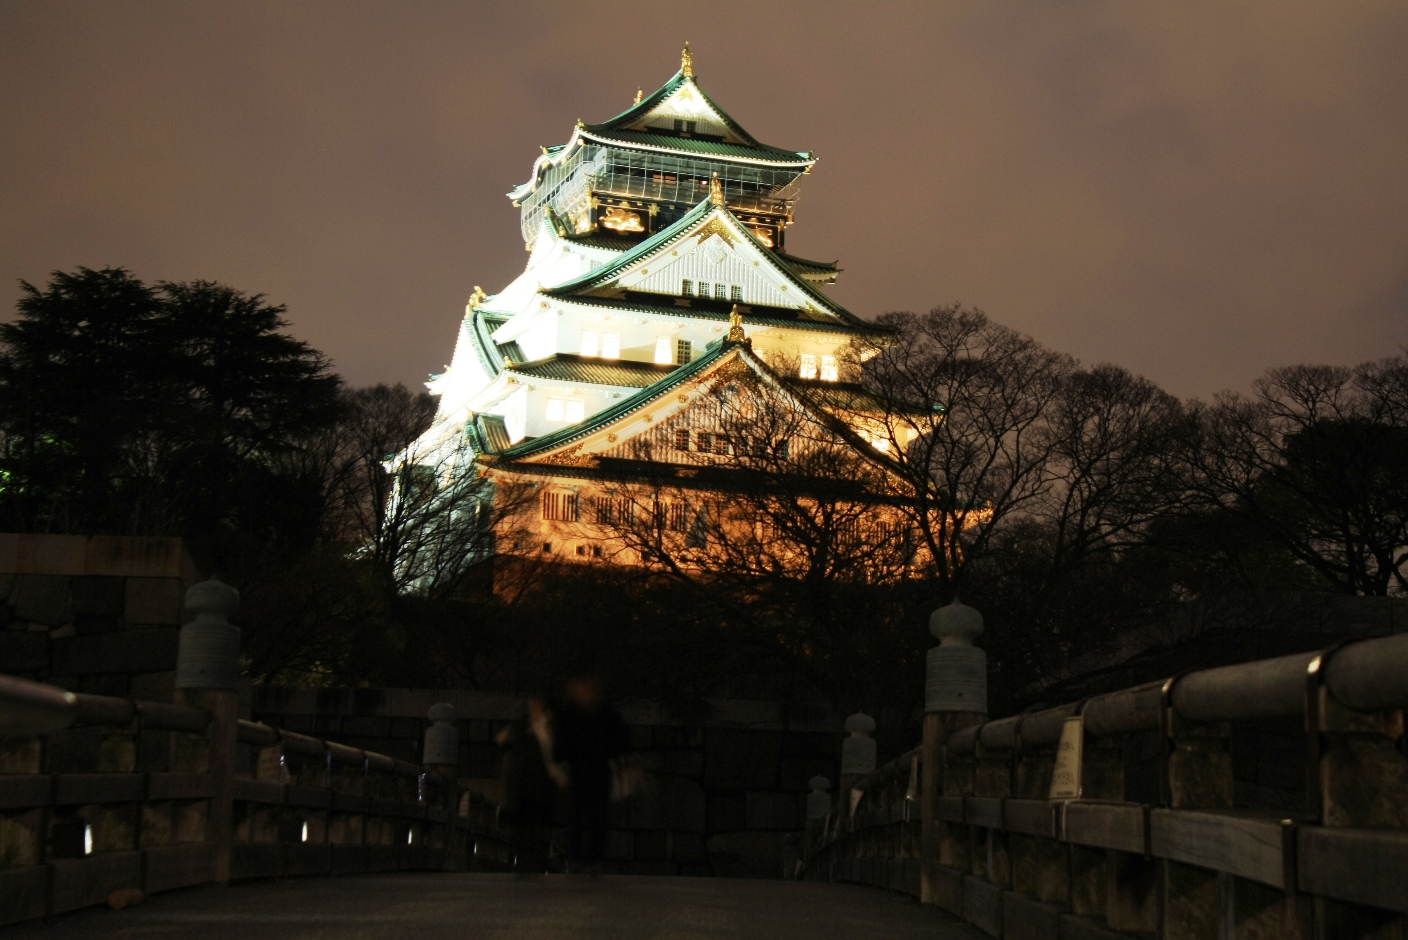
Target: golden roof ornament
640, 93
735, 325
478, 297
716, 191
687, 62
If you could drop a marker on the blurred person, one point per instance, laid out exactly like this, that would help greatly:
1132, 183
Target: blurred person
531, 778
591, 738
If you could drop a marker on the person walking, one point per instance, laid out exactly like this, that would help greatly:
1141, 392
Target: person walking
529, 785
590, 736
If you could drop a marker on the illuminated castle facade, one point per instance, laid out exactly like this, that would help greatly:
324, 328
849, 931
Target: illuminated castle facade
657, 275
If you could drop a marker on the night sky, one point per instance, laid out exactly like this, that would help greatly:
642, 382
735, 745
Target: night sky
1194, 191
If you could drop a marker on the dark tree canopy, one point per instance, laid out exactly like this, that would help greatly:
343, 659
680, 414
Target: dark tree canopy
145, 410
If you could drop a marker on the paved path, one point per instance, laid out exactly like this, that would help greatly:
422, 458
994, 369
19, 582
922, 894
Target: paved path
495, 907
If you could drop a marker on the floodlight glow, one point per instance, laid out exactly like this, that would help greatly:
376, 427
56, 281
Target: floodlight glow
87, 840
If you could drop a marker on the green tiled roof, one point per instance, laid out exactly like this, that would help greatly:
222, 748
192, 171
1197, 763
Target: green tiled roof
712, 353
600, 239
572, 289
804, 266
622, 373
752, 319
851, 395
695, 145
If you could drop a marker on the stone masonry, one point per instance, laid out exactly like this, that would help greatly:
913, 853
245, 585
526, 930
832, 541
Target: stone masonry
93, 613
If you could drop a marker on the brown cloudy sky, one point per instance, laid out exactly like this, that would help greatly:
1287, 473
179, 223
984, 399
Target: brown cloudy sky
1194, 190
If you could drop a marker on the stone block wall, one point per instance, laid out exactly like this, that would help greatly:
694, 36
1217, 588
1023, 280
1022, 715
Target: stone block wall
93, 613
724, 785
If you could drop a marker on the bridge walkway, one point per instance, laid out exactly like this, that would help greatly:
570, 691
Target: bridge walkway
497, 907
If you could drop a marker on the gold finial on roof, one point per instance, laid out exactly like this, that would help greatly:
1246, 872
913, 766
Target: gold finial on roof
581, 123
735, 325
640, 93
478, 297
687, 62
716, 191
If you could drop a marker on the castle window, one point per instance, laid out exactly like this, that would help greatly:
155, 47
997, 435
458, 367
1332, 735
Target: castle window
582, 550
704, 441
664, 355
828, 368
559, 507
589, 346
554, 412
676, 517
784, 449
611, 345
576, 410
808, 370
682, 439
721, 445
596, 551
736, 294
683, 350
704, 289
720, 291
547, 548
687, 288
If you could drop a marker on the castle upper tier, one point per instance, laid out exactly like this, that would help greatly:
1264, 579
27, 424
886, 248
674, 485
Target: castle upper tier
650, 234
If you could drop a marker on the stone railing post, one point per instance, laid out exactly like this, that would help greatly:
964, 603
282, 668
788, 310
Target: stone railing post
440, 753
955, 696
207, 676
857, 757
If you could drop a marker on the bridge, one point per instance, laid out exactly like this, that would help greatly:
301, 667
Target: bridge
1116, 816
432, 906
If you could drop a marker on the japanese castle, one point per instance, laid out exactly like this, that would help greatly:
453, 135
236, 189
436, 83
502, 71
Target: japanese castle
658, 273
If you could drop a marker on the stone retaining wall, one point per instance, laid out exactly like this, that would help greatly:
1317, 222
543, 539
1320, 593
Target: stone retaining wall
93, 614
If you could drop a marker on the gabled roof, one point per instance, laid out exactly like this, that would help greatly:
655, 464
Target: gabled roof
712, 354
620, 373
563, 447
631, 130
702, 217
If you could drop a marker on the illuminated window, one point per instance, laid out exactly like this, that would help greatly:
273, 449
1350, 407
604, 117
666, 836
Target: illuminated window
881, 444
589, 347
683, 349
720, 291
682, 439
784, 449
687, 288
554, 409
828, 368
808, 370
576, 410
736, 294
664, 355
611, 345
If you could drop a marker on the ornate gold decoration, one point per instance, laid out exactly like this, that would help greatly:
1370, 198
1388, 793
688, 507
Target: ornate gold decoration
762, 235
640, 93
735, 325
611, 438
620, 220
717, 227
735, 367
581, 123
716, 191
572, 457
687, 62
478, 297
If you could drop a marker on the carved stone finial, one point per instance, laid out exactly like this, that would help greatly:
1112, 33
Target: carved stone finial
735, 325
956, 671
716, 190
640, 93
687, 62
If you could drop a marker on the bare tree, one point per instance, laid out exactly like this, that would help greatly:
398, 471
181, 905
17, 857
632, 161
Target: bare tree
1317, 461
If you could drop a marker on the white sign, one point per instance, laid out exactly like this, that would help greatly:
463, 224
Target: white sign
1065, 778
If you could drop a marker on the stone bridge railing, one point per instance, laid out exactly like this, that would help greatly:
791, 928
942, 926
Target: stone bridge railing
101, 797
1115, 817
